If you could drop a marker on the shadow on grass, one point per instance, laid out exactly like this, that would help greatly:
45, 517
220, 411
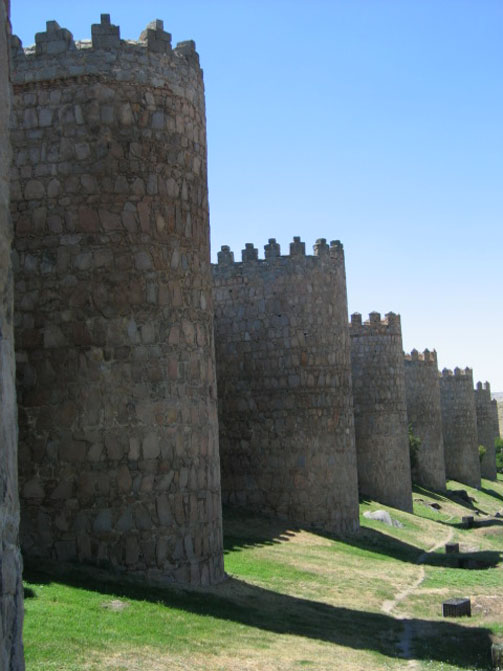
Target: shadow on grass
247, 530
491, 492
478, 561
259, 530
477, 523
432, 494
238, 601
462, 498
375, 541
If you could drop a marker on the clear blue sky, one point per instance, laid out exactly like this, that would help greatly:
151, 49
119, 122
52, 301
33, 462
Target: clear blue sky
376, 122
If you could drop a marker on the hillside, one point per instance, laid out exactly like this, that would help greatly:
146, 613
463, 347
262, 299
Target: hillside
294, 599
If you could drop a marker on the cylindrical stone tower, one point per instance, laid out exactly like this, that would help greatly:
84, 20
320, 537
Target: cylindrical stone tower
382, 442
487, 429
284, 385
425, 416
11, 586
496, 417
499, 412
459, 423
117, 390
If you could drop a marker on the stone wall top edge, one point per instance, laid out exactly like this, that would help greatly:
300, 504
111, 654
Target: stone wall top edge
482, 393
56, 45
428, 357
375, 325
459, 373
272, 252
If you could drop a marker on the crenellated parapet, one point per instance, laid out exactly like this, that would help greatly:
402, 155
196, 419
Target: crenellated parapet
374, 325
427, 358
483, 391
459, 421
284, 384
463, 373
57, 55
272, 252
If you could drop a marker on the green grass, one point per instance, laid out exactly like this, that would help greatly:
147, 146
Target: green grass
295, 599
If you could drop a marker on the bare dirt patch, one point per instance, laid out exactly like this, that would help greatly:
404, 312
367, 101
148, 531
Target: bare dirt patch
488, 606
115, 604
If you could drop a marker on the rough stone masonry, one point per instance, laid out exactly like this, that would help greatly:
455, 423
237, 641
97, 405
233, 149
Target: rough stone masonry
11, 589
380, 407
487, 428
425, 416
459, 421
119, 460
284, 384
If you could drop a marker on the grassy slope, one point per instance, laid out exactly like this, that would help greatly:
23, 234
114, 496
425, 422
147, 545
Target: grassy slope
295, 600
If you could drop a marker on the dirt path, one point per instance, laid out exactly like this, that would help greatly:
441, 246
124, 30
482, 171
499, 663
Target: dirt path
409, 628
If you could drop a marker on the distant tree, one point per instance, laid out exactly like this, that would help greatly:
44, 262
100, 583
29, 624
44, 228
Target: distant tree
482, 451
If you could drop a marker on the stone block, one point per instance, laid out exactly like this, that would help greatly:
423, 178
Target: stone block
456, 608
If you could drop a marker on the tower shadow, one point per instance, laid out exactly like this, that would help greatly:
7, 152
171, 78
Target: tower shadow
240, 602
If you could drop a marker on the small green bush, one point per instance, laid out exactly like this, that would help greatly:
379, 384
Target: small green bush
482, 451
414, 445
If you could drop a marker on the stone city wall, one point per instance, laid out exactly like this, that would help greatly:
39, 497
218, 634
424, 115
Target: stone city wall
496, 417
459, 421
284, 384
425, 416
119, 457
380, 409
499, 411
487, 429
11, 588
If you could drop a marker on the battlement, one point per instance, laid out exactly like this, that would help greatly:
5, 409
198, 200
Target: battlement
458, 372
272, 252
374, 325
426, 357
56, 54
483, 392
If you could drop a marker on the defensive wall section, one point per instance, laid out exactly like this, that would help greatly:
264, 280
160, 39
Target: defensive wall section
487, 429
425, 417
380, 410
499, 411
496, 417
459, 421
284, 384
11, 589
118, 423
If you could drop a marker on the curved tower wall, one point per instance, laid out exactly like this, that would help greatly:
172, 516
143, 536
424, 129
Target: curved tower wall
499, 411
459, 421
487, 429
284, 384
118, 420
424, 414
496, 416
11, 588
380, 408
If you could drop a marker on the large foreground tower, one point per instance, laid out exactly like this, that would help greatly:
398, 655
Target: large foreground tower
11, 587
117, 395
